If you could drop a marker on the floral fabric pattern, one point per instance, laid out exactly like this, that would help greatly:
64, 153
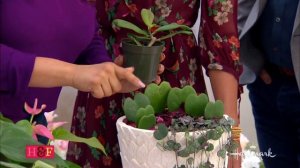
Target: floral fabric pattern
182, 63
219, 43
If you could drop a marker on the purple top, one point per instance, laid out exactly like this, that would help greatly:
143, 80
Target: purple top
64, 30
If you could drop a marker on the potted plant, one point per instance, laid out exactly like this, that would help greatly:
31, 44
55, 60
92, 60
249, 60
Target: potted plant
142, 48
171, 127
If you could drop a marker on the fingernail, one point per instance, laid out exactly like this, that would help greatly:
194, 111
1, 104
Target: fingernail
142, 84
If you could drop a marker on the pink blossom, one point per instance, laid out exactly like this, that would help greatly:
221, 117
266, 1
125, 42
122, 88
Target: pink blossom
41, 130
34, 110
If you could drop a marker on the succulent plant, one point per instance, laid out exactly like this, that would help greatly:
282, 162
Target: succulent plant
178, 96
131, 106
143, 107
158, 95
214, 110
195, 105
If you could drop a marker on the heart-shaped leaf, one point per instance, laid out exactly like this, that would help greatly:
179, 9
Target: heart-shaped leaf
186, 91
130, 109
214, 110
147, 122
144, 112
161, 132
141, 100
158, 95
174, 99
195, 105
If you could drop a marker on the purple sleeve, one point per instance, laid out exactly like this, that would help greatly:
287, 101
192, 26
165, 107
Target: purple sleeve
95, 52
15, 70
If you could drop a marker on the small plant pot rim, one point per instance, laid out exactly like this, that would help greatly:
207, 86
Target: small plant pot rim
129, 42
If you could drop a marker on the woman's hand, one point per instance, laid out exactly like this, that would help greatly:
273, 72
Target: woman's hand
119, 61
101, 80
105, 79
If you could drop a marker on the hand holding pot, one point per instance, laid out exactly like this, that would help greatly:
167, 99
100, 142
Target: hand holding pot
120, 60
105, 79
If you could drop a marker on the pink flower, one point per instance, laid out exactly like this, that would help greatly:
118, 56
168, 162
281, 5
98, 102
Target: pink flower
41, 130
34, 110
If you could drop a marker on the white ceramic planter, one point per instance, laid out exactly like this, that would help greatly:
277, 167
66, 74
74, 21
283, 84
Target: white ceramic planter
139, 149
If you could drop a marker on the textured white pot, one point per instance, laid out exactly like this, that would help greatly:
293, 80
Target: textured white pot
139, 149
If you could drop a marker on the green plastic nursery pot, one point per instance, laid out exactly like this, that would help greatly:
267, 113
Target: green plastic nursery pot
145, 60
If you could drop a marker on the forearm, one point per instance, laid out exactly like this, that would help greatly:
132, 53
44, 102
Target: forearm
225, 88
49, 72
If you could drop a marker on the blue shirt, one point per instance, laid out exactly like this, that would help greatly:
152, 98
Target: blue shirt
275, 28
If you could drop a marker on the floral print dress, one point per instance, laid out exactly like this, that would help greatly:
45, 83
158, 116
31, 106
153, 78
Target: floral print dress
219, 49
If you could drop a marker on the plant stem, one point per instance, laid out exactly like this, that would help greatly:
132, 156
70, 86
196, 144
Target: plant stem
153, 40
49, 141
31, 118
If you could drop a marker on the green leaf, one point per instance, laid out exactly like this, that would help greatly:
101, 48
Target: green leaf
222, 153
130, 109
144, 112
10, 165
25, 125
62, 134
214, 110
147, 122
183, 153
72, 165
161, 132
139, 37
127, 25
187, 91
5, 119
195, 105
174, 99
175, 33
41, 164
210, 147
158, 95
147, 17
141, 100
134, 40
172, 26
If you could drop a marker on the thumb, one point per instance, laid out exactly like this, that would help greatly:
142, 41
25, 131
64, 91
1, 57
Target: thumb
119, 60
130, 69
265, 76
